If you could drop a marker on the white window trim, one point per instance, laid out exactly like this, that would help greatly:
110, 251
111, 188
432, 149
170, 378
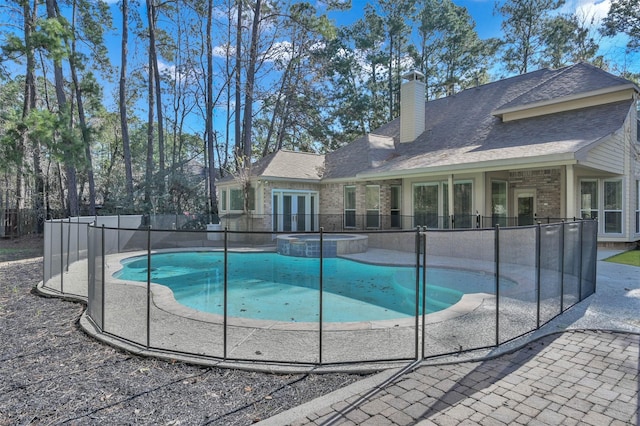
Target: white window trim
605, 211
377, 210
600, 205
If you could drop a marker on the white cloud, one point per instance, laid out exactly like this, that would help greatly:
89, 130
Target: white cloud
588, 10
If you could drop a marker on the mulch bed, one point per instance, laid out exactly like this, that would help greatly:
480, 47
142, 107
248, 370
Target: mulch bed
51, 372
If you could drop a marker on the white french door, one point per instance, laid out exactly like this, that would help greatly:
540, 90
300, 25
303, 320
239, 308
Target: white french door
295, 211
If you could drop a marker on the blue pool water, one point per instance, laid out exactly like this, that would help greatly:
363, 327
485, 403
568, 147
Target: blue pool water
274, 287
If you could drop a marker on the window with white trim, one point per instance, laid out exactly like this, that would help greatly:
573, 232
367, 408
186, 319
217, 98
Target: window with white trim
612, 206
602, 199
236, 199
372, 204
499, 202
589, 199
396, 206
349, 206
426, 204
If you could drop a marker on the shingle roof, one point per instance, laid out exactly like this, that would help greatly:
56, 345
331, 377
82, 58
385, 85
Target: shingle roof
566, 82
364, 153
290, 165
461, 129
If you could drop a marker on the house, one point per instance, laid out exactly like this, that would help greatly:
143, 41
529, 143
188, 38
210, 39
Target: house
543, 146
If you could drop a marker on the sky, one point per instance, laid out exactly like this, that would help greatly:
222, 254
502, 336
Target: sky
488, 24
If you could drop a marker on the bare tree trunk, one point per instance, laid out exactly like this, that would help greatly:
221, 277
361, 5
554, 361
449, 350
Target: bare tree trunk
213, 202
67, 143
83, 125
29, 105
159, 113
154, 78
149, 169
251, 71
124, 125
238, 71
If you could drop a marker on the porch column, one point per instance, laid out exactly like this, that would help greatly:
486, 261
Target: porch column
451, 198
570, 188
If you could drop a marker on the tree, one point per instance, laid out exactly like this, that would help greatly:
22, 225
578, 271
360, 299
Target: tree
122, 104
395, 14
463, 59
624, 17
210, 136
566, 42
523, 28
58, 34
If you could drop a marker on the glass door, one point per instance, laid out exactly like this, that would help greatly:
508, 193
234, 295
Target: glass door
295, 211
525, 206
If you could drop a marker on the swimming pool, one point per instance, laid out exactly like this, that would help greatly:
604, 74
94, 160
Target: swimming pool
282, 288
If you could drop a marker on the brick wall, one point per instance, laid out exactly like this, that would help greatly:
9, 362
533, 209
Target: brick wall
548, 186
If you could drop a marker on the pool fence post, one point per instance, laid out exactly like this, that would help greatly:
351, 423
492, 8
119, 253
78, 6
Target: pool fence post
118, 232
321, 294
562, 267
226, 278
148, 286
497, 261
61, 256
68, 243
538, 264
424, 286
581, 260
417, 298
102, 259
78, 238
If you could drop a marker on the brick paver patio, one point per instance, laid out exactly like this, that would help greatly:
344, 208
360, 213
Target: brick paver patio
569, 378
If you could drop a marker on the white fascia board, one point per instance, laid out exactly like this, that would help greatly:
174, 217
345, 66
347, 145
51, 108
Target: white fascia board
552, 160
286, 179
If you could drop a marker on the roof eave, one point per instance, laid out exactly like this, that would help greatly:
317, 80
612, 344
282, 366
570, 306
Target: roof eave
480, 166
575, 97
287, 179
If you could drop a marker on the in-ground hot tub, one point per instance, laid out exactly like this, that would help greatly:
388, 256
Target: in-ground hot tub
308, 245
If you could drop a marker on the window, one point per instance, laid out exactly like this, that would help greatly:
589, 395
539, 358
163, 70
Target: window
589, 199
396, 202
372, 204
462, 205
236, 199
223, 200
274, 209
606, 207
499, 203
426, 204
613, 207
349, 206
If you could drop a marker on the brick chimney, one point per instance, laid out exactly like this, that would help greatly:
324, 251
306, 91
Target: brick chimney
412, 99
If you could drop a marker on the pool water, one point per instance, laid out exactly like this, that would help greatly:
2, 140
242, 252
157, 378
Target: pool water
273, 287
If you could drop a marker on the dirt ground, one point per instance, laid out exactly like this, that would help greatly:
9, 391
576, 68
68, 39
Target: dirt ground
51, 372
20, 248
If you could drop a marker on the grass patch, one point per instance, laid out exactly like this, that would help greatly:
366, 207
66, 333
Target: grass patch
631, 257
